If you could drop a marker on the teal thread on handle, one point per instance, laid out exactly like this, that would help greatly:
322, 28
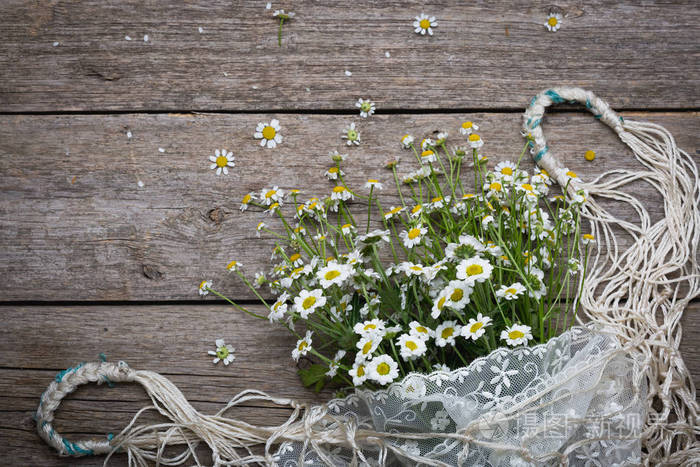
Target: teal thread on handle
73, 449
62, 374
541, 153
556, 98
536, 123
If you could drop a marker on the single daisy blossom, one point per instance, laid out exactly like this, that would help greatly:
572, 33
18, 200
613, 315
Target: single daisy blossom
333, 173
367, 345
468, 127
307, 302
272, 195
413, 236
373, 183
474, 270
411, 347
333, 366
371, 328
269, 133
233, 266
341, 193
333, 273
358, 372
476, 328
510, 292
223, 352
553, 22
383, 369
351, 135
424, 24
419, 330
221, 161
446, 332
303, 346
204, 287
366, 107
517, 334
407, 141
458, 293
246, 201
475, 141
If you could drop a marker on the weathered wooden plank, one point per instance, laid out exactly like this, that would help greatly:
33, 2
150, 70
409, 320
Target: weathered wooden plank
87, 213
483, 55
35, 342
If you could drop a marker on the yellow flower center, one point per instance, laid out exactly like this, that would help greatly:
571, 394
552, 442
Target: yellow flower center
222, 352
370, 326
411, 345
526, 186
467, 125
383, 368
338, 189
588, 236
372, 181
201, 286
476, 326
424, 24
404, 138
294, 257
511, 291
303, 345
270, 194
440, 304
274, 206
308, 302
544, 172
333, 170
332, 274
416, 268
231, 265
346, 226
269, 132
474, 270
447, 332
474, 137
427, 153
361, 370
495, 186
246, 199
457, 295
515, 334
552, 21
416, 209
589, 155
413, 233
507, 171
422, 329
221, 161
571, 174
367, 347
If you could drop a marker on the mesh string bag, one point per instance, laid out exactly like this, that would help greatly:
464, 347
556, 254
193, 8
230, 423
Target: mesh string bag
611, 391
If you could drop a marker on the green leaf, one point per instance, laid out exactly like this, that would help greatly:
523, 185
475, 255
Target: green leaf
313, 375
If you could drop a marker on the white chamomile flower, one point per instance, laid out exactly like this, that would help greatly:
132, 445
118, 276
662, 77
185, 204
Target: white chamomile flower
259, 228
510, 292
333, 366
426, 143
413, 236
517, 334
424, 24
419, 330
474, 270
428, 156
367, 345
574, 265
505, 170
296, 259
358, 372
486, 221
374, 236
303, 346
411, 347
269, 133
439, 303
441, 138
337, 157
394, 211
351, 135
279, 308
307, 302
407, 141
458, 293
467, 128
348, 229
476, 328
246, 201
446, 332
475, 141
204, 287
333, 173
373, 183
272, 195
223, 352
282, 14
383, 370
553, 22
333, 274
233, 266
371, 328
221, 161
587, 238
341, 193
366, 107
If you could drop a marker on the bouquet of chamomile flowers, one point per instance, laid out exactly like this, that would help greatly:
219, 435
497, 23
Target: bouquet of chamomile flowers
470, 259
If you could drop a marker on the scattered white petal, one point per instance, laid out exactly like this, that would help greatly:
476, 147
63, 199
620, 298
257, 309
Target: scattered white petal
161, 150
145, 37
268, 6
200, 29
140, 184
128, 134
225, 74
308, 90
348, 73
255, 86
55, 44
387, 54
127, 38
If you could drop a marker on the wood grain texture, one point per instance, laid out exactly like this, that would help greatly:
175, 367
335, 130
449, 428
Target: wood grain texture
483, 55
36, 342
87, 213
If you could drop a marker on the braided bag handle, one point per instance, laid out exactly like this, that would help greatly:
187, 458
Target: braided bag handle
532, 126
65, 383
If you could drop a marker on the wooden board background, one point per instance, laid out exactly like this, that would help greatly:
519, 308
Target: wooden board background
103, 238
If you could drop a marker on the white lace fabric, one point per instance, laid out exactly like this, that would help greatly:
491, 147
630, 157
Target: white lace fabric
578, 399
